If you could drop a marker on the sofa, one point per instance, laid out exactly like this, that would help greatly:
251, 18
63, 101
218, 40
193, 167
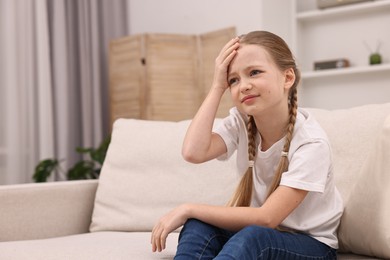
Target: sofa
144, 176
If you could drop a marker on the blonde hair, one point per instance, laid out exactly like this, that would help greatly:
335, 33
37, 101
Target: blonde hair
283, 58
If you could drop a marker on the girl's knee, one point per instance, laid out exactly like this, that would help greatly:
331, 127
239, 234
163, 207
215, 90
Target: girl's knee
253, 234
196, 227
254, 230
195, 224
198, 239
193, 221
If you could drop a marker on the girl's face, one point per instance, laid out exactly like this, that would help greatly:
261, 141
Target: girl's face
256, 83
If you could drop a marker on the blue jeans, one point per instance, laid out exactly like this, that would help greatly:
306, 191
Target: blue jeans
199, 240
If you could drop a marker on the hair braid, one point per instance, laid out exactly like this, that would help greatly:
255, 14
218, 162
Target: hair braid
283, 162
243, 193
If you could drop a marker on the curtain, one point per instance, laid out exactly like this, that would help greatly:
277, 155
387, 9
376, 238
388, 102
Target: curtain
53, 80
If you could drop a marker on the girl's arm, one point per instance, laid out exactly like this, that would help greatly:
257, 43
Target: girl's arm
277, 207
200, 144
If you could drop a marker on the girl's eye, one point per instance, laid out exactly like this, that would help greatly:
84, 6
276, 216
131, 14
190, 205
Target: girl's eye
232, 81
255, 72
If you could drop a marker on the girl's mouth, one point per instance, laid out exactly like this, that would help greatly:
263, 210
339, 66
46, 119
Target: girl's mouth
248, 97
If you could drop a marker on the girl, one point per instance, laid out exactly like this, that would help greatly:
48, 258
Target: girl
286, 205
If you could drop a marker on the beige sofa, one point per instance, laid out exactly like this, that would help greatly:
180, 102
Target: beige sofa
144, 176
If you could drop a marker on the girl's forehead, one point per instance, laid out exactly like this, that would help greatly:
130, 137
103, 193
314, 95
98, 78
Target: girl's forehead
250, 55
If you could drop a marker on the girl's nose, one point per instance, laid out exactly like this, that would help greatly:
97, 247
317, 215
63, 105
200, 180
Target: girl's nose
245, 86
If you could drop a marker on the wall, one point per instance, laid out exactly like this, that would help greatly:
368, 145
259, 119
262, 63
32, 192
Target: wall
196, 17
193, 17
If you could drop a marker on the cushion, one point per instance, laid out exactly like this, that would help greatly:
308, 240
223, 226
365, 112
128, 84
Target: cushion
98, 245
366, 226
144, 176
89, 246
360, 143
352, 133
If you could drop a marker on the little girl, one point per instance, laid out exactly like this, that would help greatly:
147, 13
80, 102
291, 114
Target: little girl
286, 205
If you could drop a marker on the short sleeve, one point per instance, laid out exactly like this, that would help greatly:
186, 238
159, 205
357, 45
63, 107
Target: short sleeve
227, 131
230, 130
309, 167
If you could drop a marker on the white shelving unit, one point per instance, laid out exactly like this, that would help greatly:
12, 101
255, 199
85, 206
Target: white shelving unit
364, 7
346, 71
342, 32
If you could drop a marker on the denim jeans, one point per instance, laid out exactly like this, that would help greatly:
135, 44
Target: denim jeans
199, 240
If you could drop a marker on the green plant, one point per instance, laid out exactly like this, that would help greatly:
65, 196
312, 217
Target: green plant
81, 170
375, 57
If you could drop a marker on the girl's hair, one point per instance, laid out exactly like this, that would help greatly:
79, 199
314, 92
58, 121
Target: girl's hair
283, 58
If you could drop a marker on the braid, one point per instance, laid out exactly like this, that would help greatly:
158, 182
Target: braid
243, 194
252, 131
283, 162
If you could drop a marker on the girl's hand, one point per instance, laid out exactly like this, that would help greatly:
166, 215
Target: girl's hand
168, 223
222, 63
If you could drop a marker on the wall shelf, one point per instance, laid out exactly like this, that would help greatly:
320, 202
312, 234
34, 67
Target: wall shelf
346, 71
342, 10
334, 32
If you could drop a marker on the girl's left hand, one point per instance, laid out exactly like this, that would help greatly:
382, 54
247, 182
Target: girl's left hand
168, 223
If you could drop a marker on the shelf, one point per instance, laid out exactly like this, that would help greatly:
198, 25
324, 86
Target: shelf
343, 10
345, 71
325, 34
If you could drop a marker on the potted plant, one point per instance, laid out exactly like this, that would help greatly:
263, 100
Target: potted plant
84, 169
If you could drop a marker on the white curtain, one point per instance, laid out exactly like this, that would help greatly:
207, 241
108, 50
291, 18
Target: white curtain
26, 89
53, 80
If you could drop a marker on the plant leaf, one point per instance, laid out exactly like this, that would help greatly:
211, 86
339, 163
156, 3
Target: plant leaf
81, 170
100, 153
44, 169
83, 150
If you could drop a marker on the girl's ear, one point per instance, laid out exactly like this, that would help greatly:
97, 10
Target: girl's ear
289, 78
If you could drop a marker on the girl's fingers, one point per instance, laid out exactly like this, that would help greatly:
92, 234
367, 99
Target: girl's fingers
162, 242
223, 61
224, 54
155, 239
165, 226
229, 44
158, 239
227, 49
229, 58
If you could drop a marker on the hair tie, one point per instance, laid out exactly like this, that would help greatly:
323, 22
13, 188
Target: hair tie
284, 154
251, 164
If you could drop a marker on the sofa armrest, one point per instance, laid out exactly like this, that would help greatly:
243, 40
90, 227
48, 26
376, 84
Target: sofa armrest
44, 210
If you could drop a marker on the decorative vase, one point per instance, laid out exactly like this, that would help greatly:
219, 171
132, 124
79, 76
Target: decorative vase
375, 58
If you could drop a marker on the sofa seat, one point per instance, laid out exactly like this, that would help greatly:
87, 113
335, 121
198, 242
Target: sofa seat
108, 245
89, 246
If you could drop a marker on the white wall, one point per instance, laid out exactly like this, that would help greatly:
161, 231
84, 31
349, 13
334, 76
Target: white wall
201, 16
193, 16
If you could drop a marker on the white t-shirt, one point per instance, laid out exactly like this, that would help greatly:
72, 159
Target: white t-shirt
310, 169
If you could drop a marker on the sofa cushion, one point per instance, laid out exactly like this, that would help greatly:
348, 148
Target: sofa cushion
89, 246
360, 139
144, 176
98, 245
366, 227
352, 133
